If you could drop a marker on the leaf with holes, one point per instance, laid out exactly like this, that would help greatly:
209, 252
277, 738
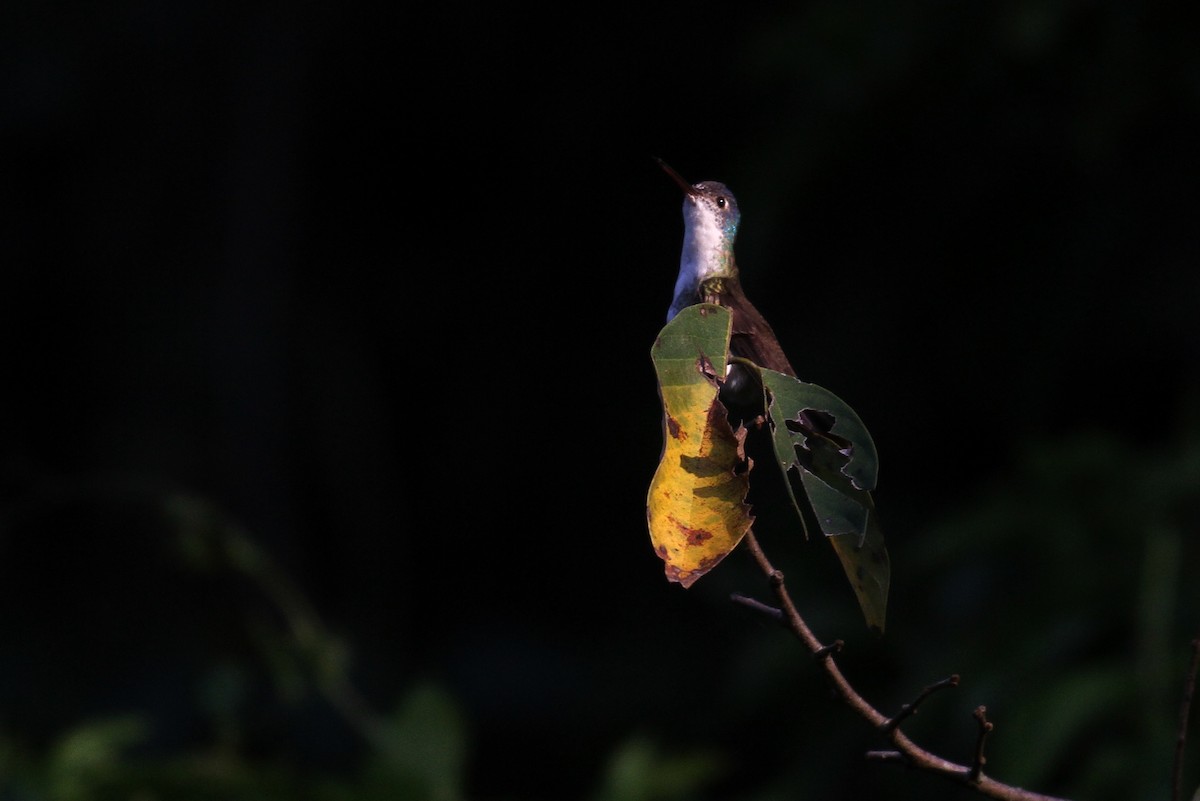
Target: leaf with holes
823, 445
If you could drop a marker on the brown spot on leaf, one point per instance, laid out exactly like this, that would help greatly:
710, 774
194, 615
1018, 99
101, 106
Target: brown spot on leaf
684, 577
674, 430
695, 536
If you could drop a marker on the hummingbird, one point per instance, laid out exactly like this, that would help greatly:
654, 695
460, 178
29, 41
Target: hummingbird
813, 469
708, 273
708, 270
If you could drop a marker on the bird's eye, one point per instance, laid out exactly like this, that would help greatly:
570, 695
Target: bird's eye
720, 203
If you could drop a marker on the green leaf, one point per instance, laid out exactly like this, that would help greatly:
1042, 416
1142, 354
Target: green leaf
423, 751
823, 441
868, 569
823, 444
835, 434
92, 754
696, 508
640, 771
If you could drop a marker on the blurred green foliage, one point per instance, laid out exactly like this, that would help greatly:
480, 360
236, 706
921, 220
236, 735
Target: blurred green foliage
1061, 595
99, 761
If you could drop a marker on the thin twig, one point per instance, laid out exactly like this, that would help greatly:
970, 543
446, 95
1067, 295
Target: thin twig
985, 728
758, 606
1185, 708
911, 753
910, 709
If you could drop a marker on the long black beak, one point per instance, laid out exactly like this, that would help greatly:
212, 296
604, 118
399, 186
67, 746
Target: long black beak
687, 188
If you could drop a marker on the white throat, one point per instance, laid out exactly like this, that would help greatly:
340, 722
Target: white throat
706, 254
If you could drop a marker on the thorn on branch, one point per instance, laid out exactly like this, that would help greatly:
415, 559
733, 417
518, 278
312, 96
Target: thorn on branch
776, 578
985, 727
910, 709
772, 612
825, 651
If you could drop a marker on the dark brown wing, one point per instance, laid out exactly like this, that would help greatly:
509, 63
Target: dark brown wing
752, 337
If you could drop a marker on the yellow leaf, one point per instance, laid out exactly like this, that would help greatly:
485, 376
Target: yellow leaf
696, 506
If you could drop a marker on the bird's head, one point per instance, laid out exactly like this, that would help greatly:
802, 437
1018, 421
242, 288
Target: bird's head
710, 219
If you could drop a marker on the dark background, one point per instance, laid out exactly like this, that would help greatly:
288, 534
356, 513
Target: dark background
368, 294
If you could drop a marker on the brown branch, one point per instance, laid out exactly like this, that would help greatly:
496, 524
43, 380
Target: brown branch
1185, 708
985, 728
905, 749
908, 710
